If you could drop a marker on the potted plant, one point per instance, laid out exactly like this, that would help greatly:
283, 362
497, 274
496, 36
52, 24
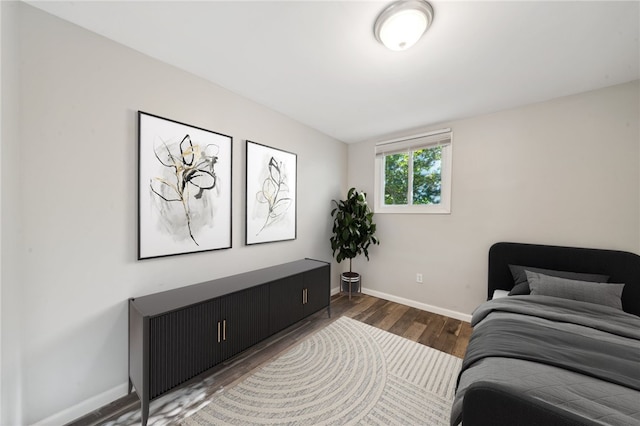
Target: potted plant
353, 231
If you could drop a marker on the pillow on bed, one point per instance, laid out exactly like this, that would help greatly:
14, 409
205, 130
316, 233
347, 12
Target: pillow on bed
521, 285
600, 293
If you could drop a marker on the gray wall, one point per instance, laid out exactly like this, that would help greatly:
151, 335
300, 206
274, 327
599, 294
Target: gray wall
560, 172
10, 223
69, 185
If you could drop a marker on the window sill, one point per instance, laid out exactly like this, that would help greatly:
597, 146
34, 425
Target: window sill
439, 209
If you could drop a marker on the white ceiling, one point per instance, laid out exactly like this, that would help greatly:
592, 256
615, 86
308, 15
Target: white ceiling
319, 63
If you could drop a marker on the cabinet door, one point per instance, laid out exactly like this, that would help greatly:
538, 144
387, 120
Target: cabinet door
182, 344
318, 292
285, 300
244, 318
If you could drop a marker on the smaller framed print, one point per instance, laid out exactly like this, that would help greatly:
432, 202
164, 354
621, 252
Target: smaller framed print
271, 194
184, 188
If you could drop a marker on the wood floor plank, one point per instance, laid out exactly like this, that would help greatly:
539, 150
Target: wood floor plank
414, 331
448, 335
435, 324
462, 341
393, 315
371, 310
380, 314
357, 304
405, 321
428, 317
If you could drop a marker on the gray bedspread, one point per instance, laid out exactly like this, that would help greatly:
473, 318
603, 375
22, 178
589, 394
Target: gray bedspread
582, 357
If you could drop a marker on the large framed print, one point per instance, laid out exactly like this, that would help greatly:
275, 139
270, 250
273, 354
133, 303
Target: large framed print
271, 194
184, 188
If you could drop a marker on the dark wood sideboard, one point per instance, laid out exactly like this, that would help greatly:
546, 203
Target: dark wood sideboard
177, 334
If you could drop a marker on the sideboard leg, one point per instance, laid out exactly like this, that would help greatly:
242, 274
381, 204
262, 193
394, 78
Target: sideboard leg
145, 412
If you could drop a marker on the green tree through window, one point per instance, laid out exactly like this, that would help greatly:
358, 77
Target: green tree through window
396, 184
413, 174
425, 168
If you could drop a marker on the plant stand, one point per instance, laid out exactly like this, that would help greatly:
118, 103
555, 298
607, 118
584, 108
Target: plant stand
350, 278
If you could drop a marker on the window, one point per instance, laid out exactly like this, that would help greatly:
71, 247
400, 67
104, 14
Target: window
413, 175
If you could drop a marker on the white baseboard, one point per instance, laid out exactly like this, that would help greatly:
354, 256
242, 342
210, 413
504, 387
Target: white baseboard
418, 305
83, 408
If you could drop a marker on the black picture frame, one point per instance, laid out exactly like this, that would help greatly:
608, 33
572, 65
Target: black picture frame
184, 188
271, 194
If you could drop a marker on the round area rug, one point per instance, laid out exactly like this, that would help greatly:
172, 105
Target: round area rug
347, 373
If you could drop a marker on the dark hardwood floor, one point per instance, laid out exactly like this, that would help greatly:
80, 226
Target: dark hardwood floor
445, 334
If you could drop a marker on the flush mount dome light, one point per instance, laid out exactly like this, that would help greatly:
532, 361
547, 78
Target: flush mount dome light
402, 23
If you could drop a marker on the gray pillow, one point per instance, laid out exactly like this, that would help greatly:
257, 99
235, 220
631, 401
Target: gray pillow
600, 293
521, 285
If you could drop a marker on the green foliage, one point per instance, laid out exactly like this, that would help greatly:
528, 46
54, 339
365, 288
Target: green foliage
353, 227
396, 184
426, 177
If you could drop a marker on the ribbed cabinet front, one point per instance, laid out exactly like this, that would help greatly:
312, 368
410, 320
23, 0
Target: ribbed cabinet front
178, 334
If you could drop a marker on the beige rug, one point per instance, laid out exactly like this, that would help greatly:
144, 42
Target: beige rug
348, 373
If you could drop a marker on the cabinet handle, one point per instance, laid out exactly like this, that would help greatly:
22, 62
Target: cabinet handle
224, 330
218, 331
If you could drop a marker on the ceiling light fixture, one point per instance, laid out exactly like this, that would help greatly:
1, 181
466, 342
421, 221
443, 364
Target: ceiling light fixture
400, 25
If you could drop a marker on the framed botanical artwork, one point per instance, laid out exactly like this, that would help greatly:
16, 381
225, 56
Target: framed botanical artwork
271, 194
184, 188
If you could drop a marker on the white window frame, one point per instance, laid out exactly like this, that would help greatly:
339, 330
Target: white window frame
442, 138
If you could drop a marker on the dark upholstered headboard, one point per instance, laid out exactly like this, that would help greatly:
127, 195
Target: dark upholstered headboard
621, 266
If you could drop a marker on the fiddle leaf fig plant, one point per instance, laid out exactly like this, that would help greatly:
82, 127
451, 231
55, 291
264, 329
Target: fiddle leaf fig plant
353, 227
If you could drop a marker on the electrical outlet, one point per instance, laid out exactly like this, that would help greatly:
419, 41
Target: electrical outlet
419, 278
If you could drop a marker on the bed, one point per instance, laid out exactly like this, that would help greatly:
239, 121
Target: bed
539, 357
